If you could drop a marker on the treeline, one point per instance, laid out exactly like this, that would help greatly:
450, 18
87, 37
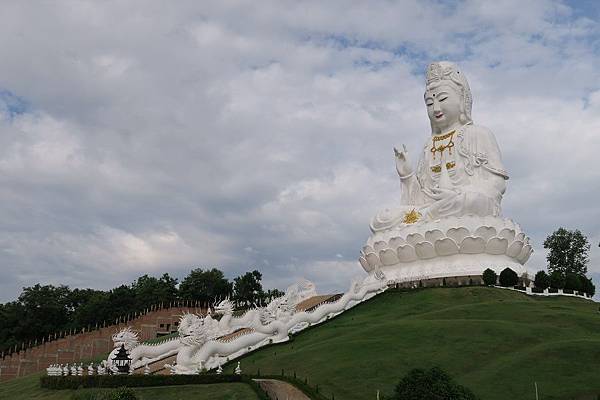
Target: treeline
42, 312
568, 256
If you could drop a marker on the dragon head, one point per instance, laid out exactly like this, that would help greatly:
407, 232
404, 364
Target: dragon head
126, 337
224, 307
190, 329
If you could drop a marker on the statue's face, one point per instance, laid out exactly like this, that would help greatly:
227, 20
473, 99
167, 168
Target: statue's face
443, 106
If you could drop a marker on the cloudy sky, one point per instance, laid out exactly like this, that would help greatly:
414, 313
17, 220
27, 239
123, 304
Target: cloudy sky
148, 137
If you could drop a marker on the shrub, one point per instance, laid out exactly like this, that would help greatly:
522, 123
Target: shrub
552, 290
574, 281
508, 278
557, 280
541, 280
537, 290
116, 381
489, 277
522, 288
588, 287
433, 383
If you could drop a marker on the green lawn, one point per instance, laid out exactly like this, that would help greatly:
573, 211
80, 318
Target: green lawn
496, 342
28, 388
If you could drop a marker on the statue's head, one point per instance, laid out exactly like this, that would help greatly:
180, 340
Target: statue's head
447, 96
126, 337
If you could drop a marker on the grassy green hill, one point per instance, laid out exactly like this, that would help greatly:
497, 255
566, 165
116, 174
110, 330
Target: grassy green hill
28, 388
496, 342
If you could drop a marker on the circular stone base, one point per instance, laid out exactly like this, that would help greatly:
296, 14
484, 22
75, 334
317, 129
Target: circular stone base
450, 247
458, 265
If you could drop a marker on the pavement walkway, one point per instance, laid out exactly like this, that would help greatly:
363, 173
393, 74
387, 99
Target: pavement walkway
279, 390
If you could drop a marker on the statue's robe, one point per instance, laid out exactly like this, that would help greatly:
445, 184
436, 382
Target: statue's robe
475, 170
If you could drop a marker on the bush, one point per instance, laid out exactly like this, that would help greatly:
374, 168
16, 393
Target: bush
522, 288
588, 287
552, 290
541, 280
489, 277
574, 281
116, 381
537, 290
433, 383
557, 280
508, 278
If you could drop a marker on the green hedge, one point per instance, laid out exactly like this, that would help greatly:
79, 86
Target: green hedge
115, 381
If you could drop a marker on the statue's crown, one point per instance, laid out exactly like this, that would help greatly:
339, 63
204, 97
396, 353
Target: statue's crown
442, 70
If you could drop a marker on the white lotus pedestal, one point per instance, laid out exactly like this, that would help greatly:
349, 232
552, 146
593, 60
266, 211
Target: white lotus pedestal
454, 247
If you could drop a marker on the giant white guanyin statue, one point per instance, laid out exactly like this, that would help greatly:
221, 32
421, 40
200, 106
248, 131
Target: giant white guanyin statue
448, 222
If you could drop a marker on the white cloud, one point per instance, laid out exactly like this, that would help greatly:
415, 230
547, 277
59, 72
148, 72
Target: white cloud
157, 139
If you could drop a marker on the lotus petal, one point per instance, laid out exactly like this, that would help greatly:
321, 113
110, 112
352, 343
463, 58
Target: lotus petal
380, 245
365, 264
472, 245
406, 253
368, 249
508, 234
373, 260
514, 249
388, 257
485, 232
457, 234
525, 254
521, 237
496, 246
433, 235
425, 250
446, 247
396, 241
414, 238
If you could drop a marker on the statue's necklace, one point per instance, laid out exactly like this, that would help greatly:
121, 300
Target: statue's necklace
440, 149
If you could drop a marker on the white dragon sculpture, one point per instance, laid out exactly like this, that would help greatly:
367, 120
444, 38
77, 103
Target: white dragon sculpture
273, 325
206, 343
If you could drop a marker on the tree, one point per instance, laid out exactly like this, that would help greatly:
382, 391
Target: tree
150, 290
508, 277
205, 286
542, 280
434, 383
557, 280
489, 277
567, 252
588, 286
574, 281
247, 288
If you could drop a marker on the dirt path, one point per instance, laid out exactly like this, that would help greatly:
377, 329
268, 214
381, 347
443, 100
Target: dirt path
279, 390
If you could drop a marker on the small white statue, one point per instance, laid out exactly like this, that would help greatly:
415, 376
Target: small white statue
65, 370
101, 368
219, 370
146, 369
238, 369
80, 370
90, 369
73, 370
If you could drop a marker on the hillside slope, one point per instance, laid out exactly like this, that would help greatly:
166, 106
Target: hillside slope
496, 342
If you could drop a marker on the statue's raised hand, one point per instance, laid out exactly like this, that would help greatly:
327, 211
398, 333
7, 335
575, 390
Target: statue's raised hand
402, 164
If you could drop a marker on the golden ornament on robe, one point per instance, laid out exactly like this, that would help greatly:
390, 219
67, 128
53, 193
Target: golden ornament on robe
411, 217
